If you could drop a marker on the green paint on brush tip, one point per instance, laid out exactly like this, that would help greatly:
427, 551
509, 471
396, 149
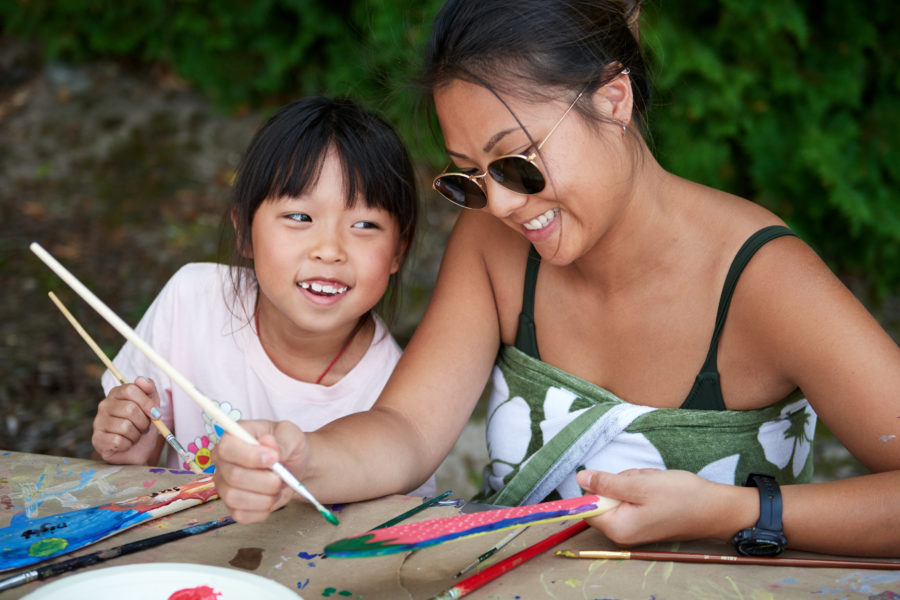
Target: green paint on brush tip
330, 517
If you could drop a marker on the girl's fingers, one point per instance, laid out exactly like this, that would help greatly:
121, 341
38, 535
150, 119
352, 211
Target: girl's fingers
108, 444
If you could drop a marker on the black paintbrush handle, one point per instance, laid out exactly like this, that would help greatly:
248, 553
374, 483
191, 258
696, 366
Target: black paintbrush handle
103, 555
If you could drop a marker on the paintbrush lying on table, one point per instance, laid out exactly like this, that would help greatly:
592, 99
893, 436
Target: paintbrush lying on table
777, 561
155, 416
478, 580
103, 555
491, 551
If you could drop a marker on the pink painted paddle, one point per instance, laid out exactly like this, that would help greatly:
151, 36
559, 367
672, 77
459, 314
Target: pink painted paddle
413, 536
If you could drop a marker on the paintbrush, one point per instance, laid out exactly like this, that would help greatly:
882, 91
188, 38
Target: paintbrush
473, 582
490, 552
414, 510
689, 557
210, 407
170, 437
103, 555
160, 426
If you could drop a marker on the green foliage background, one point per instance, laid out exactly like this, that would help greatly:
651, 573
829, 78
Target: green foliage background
792, 103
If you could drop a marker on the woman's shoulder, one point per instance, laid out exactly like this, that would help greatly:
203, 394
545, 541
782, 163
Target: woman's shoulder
718, 223
492, 245
487, 238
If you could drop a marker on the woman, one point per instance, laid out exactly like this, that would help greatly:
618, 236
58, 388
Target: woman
608, 290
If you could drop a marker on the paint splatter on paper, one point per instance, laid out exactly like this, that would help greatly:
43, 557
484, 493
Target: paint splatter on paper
35, 494
247, 558
334, 592
28, 541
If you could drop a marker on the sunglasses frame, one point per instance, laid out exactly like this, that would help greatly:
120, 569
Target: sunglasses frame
478, 178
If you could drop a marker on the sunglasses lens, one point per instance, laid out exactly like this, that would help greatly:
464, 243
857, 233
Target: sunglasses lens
517, 174
461, 191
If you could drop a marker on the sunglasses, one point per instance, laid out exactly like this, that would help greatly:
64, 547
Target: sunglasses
516, 172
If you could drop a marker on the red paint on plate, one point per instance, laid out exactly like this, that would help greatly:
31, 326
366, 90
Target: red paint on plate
201, 592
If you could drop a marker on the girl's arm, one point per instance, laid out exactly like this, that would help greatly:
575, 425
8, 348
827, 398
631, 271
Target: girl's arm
790, 308
397, 444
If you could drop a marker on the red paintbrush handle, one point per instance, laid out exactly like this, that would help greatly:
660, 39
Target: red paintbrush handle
472, 583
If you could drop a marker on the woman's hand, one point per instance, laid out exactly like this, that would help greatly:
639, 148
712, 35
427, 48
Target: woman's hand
121, 427
668, 505
244, 480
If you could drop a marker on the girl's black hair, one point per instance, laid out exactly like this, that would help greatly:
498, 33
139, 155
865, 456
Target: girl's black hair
537, 48
286, 155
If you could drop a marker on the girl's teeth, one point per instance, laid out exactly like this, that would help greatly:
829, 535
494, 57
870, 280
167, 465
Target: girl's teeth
541, 220
318, 288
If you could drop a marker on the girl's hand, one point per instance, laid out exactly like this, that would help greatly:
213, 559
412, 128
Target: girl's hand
122, 420
668, 505
244, 480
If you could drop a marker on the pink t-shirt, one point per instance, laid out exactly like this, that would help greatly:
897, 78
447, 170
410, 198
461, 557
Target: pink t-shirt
192, 325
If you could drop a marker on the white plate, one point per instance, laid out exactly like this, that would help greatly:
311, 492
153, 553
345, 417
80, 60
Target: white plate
159, 581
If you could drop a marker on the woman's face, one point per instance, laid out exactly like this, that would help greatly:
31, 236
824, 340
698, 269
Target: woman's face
582, 163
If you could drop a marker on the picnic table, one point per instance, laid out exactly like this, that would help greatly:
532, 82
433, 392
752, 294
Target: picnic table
287, 548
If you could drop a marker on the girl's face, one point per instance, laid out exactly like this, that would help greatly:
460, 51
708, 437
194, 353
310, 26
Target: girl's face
321, 265
581, 164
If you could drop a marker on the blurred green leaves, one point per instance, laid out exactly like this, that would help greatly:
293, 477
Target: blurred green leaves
791, 103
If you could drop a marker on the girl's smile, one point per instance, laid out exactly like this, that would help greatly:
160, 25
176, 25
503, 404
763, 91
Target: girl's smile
325, 289
322, 290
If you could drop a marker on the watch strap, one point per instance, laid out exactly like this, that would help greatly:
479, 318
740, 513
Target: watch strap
769, 501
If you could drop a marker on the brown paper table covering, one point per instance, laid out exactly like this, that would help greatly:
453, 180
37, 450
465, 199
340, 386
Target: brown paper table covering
286, 548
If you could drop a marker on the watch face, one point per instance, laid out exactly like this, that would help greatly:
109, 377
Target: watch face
761, 546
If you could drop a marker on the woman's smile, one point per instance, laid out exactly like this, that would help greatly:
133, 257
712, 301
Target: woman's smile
542, 220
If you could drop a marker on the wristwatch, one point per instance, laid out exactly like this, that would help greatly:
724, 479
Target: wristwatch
767, 537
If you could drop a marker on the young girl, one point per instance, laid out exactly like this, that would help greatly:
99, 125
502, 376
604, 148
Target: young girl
628, 318
323, 211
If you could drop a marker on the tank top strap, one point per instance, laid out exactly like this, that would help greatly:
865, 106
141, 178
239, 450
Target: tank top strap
706, 393
526, 336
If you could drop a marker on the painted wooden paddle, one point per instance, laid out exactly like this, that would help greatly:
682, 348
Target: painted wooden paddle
30, 541
413, 536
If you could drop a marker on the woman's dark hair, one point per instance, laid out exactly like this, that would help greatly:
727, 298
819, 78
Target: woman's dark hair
285, 158
538, 48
